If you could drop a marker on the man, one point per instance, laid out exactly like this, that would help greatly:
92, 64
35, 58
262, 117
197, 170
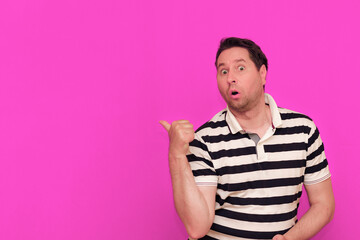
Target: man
240, 176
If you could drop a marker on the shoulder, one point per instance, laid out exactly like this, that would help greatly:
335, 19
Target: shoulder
287, 114
290, 117
295, 121
213, 125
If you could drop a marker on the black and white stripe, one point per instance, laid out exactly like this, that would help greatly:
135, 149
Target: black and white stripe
258, 185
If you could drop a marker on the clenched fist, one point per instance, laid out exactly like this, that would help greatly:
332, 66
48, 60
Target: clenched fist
181, 133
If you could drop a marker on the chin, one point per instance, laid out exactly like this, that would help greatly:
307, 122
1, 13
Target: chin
238, 106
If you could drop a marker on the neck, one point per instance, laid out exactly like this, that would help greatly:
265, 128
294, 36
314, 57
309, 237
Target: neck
255, 120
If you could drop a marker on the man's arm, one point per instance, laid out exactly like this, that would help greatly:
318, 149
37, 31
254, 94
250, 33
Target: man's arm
194, 204
320, 213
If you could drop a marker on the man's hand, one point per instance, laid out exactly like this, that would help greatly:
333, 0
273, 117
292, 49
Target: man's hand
181, 133
279, 237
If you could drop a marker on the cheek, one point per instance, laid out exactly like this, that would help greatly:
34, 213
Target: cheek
221, 86
220, 82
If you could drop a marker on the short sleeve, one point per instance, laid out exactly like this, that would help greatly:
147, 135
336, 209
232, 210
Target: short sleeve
317, 169
201, 164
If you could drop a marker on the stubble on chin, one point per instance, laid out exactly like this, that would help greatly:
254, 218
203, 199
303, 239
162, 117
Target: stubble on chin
244, 104
237, 106
237, 109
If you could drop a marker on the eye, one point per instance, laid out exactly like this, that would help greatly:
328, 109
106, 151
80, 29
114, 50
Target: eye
241, 68
224, 71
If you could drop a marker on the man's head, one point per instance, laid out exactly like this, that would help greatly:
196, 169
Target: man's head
241, 73
255, 53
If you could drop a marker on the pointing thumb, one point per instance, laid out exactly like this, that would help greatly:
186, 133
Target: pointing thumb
165, 124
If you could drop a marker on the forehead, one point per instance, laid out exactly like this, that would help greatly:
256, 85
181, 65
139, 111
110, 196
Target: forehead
233, 54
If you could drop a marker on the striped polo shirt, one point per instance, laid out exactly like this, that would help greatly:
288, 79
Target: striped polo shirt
259, 183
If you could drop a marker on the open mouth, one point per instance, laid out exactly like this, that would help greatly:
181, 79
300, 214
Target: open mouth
234, 94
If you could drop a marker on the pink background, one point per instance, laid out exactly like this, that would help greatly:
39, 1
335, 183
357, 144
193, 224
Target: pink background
83, 85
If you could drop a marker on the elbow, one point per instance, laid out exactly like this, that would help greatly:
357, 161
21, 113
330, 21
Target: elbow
198, 231
332, 212
197, 234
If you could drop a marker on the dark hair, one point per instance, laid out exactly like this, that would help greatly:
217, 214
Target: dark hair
255, 53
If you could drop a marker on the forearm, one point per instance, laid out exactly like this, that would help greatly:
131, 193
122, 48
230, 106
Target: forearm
194, 205
311, 222
190, 203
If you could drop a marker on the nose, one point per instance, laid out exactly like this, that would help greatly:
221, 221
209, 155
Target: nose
231, 79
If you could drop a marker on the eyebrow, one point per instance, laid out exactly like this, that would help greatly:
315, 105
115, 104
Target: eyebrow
240, 60
236, 60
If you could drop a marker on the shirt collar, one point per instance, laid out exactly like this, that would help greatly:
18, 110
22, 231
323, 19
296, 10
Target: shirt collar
275, 116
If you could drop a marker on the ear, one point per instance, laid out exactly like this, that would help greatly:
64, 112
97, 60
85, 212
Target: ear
263, 73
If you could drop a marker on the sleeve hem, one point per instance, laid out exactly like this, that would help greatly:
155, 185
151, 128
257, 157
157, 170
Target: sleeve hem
318, 180
206, 183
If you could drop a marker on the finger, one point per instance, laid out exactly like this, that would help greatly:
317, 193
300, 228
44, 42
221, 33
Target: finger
187, 126
165, 124
182, 121
278, 237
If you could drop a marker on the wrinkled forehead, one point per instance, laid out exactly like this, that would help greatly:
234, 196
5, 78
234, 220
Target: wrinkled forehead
233, 55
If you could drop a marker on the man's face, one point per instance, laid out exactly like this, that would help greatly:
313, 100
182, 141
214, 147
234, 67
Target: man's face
239, 81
